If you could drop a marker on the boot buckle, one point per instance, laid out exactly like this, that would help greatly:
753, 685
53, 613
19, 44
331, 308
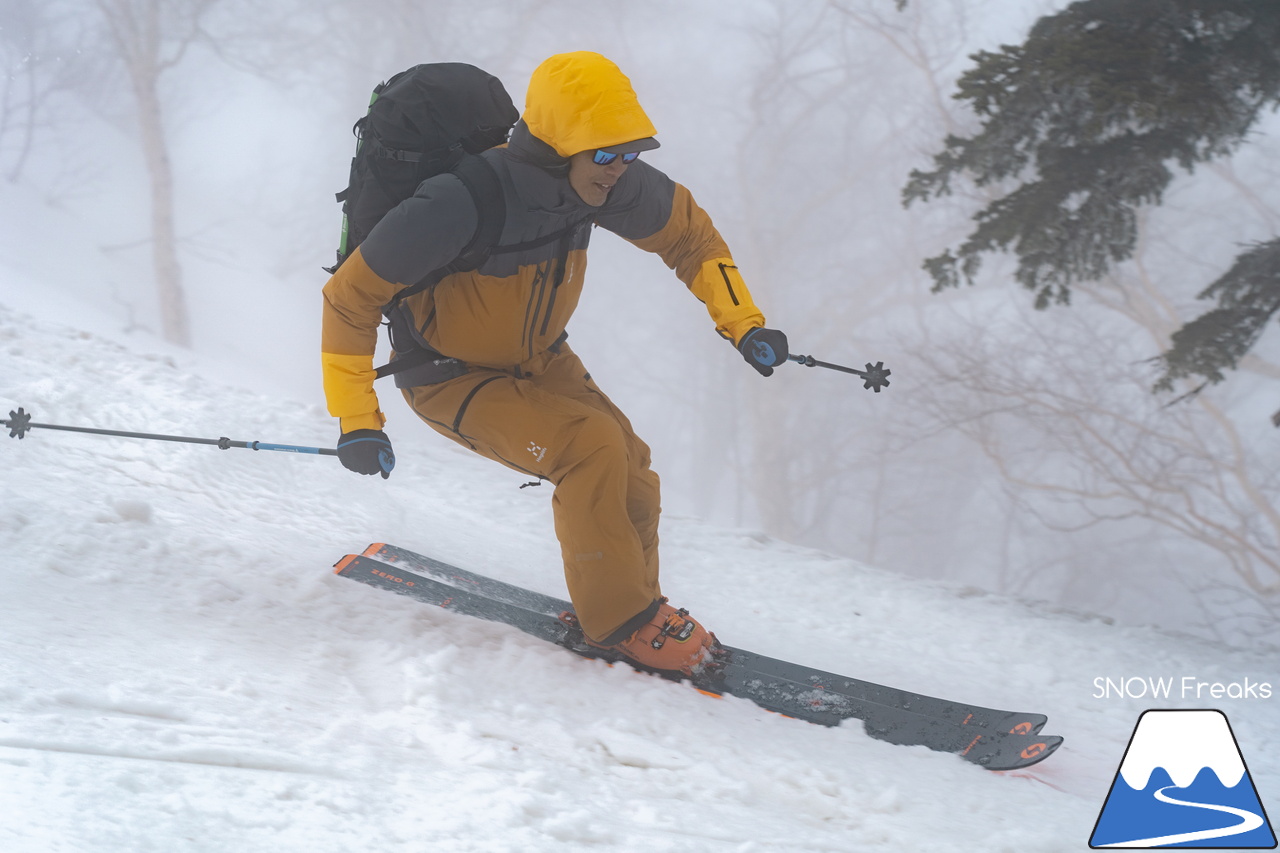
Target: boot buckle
678, 626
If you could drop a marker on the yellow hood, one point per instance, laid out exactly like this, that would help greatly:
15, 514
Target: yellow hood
581, 101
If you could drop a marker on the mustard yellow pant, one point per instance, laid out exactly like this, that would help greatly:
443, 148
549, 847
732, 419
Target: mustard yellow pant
547, 418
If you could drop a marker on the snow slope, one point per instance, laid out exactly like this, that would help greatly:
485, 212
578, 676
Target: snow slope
180, 671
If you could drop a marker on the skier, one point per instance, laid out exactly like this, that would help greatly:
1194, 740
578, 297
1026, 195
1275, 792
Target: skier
500, 378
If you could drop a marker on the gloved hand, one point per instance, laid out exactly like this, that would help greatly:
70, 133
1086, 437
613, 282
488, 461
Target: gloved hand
764, 349
366, 451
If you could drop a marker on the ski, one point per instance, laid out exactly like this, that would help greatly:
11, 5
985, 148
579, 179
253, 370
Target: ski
957, 713
735, 674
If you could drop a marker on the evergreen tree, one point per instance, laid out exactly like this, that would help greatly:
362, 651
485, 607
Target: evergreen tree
1088, 118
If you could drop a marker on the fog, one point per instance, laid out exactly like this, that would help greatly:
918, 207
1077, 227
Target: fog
1016, 452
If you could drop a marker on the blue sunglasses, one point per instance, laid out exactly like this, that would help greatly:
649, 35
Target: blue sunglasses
604, 158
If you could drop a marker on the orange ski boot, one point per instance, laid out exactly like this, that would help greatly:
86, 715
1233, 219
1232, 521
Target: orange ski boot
670, 643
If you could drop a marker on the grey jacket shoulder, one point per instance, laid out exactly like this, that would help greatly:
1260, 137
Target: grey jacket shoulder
431, 228
640, 205
424, 232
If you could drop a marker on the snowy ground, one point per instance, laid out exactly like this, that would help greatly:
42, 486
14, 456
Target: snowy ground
180, 671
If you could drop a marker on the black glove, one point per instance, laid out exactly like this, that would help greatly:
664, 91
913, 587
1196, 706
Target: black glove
366, 451
764, 349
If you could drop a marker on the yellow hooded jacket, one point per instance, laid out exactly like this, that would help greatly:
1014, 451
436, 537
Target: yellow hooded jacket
515, 306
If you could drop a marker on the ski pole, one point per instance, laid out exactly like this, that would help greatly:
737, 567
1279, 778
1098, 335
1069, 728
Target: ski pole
876, 375
19, 423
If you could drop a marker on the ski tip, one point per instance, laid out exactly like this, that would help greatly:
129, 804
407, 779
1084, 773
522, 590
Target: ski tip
341, 566
1044, 746
1010, 751
1037, 749
372, 550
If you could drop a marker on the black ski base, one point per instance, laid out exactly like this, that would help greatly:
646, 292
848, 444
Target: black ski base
994, 739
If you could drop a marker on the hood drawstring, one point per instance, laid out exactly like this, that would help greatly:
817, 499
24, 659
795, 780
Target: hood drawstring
527, 148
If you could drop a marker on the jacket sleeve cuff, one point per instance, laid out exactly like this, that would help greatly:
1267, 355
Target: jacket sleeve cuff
348, 388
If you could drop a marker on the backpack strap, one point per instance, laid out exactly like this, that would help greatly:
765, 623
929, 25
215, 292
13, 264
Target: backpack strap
480, 179
491, 215
483, 184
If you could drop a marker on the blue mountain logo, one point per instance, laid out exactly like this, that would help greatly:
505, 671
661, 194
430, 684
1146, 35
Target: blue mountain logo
1183, 783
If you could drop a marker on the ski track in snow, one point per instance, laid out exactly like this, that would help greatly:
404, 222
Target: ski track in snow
182, 672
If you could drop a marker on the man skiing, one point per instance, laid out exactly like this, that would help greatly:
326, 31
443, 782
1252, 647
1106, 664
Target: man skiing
501, 380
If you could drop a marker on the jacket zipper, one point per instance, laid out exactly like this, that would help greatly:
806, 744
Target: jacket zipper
562, 270
535, 309
561, 262
555, 288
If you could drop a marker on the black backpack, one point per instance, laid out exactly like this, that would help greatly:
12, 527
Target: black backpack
420, 123
423, 122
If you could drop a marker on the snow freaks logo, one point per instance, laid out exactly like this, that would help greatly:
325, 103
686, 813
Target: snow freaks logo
1183, 783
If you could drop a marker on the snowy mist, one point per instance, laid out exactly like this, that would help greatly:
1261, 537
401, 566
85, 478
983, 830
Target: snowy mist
1017, 451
